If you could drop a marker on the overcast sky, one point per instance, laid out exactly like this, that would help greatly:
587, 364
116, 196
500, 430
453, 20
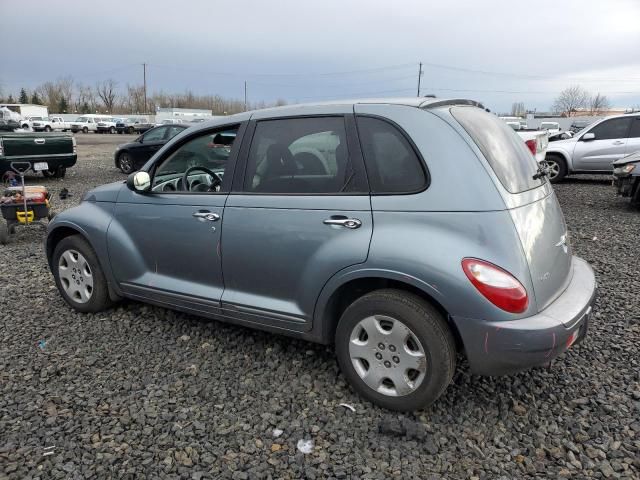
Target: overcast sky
498, 52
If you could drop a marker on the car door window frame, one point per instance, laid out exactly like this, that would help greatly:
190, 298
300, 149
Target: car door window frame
228, 177
353, 147
591, 130
413, 146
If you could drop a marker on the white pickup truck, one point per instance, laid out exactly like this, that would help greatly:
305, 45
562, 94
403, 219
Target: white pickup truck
536, 140
50, 124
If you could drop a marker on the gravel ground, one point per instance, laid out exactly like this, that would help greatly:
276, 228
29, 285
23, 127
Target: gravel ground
140, 391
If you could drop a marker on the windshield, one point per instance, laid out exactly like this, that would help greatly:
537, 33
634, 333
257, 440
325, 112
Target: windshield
81, 119
506, 152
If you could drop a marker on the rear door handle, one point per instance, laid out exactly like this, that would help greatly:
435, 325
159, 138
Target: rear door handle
210, 216
343, 222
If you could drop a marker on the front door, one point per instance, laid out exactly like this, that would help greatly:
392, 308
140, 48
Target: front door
609, 144
148, 145
301, 213
164, 246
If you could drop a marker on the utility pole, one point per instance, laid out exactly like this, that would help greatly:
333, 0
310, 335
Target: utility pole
144, 76
419, 77
245, 95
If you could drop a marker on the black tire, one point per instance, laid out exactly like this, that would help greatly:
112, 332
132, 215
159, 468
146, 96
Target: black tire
4, 233
131, 131
60, 172
85, 130
47, 128
99, 299
125, 164
112, 130
424, 322
556, 175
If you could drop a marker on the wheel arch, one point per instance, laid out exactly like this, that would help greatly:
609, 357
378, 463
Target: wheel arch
563, 155
337, 296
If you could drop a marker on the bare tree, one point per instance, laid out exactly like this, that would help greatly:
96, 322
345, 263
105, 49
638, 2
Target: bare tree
598, 104
517, 109
85, 99
107, 93
570, 100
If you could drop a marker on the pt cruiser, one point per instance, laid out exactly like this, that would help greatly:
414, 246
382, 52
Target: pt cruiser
403, 231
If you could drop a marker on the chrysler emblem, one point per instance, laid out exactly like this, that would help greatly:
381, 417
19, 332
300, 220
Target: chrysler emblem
563, 243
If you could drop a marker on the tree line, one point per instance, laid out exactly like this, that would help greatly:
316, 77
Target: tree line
570, 101
65, 95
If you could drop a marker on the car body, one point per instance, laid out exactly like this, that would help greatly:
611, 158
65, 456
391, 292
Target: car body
129, 157
400, 230
27, 122
133, 125
537, 141
56, 149
51, 124
107, 125
88, 123
551, 127
595, 148
626, 177
561, 135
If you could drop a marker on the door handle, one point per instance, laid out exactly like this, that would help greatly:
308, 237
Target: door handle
210, 216
618, 142
343, 222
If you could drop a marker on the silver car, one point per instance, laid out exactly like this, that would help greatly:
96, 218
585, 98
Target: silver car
594, 148
405, 232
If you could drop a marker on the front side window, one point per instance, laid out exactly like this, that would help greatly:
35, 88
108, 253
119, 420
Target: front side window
611, 129
635, 128
155, 135
173, 131
300, 156
199, 165
392, 164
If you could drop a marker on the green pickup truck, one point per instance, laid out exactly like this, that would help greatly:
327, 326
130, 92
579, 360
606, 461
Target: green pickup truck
49, 153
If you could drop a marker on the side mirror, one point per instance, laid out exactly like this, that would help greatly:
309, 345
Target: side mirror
139, 182
588, 136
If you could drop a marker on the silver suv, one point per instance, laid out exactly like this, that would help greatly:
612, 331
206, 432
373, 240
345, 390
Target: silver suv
594, 148
405, 232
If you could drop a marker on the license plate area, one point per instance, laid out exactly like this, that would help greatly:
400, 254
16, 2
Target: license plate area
40, 166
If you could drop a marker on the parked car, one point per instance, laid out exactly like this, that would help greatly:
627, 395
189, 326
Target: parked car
626, 177
50, 153
27, 122
50, 124
551, 127
536, 141
9, 120
131, 156
134, 125
451, 240
578, 125
107, 125
88, 123
594, 148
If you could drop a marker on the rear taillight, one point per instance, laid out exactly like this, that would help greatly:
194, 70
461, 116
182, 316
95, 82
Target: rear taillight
1, 148
497, 285
75, 148
532, 145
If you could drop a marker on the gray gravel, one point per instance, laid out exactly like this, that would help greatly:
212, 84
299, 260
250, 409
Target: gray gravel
140, 391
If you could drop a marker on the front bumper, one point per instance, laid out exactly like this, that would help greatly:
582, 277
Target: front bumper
497, 348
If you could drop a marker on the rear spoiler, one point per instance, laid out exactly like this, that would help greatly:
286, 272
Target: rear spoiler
451, 102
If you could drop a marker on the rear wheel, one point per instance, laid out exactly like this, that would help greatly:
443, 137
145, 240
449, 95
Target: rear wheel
557, 168
78, 275
125, 164
395, 349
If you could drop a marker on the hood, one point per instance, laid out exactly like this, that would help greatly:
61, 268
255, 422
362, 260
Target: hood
104, 193
633, 157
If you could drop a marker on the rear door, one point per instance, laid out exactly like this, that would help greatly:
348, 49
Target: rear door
298, 214
610, 144
633, 143
535, 210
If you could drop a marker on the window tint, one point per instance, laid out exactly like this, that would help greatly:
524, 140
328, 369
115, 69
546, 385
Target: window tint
303, 155
506, 152
154, 135
173, 131
635, 128
206, 155
610, 129
392, 165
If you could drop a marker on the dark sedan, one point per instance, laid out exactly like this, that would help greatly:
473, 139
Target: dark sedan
129, 157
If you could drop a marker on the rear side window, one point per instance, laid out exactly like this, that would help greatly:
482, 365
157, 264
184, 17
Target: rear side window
612, 129
505, 151
301, 156
635, 128
392, 164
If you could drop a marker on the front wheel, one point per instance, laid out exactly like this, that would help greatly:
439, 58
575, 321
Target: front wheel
557, 168
85, 130
395, 350
78, 275
47, 128
112, 130
125, 164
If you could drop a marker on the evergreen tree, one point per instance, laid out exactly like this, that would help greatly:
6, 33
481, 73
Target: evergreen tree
24, 98
10, 99
62, 105
35, 99
85, 108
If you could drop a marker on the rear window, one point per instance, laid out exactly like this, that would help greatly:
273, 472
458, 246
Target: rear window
506, 152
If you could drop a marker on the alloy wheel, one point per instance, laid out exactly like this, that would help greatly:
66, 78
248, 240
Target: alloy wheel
75, 276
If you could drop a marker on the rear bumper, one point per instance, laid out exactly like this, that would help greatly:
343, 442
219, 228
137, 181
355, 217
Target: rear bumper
497, 348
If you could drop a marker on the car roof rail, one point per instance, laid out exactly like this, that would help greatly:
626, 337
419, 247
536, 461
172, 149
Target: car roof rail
451, 102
